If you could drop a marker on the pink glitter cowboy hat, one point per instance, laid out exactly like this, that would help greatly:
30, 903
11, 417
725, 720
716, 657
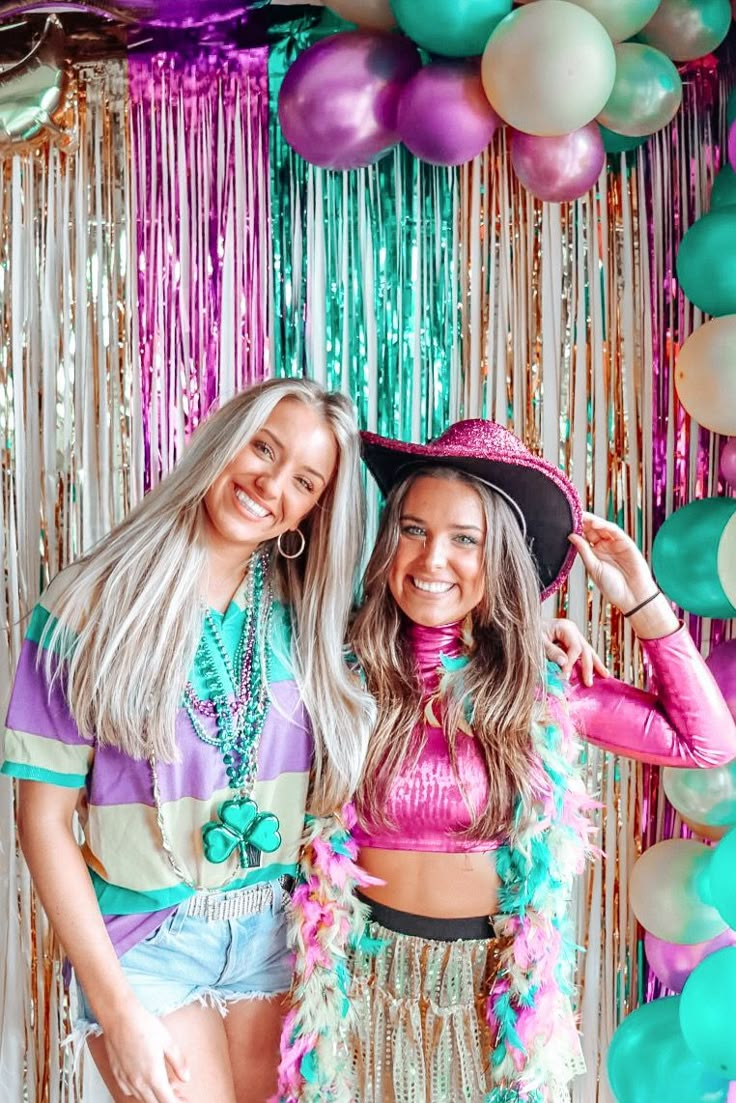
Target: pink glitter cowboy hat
545, 501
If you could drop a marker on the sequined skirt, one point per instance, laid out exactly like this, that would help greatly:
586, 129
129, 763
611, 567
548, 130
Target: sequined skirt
418, 1031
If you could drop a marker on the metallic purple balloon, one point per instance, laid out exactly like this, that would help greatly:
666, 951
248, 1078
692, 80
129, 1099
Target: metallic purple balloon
673, 964
558, 169
731, 146
728, 462
722, 664
339, 101
444, 114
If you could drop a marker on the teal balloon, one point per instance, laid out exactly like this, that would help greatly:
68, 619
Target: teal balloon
707, 1017
454, 28
647, 91
722, 881
620, 143
723, 192
705, 263
685, 557
648, 1061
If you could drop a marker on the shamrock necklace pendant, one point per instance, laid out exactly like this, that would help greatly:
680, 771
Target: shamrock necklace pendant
241, 826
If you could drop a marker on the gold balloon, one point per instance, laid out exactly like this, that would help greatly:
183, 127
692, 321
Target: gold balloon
705, 374
32, 90
375, 15
706, 831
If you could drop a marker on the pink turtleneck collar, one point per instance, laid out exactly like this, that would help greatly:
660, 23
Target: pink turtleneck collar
429, 645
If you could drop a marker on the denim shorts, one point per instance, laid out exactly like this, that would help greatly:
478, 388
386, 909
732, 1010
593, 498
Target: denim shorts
215, 962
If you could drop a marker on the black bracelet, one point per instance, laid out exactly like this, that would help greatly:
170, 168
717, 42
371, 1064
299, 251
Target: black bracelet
641, 605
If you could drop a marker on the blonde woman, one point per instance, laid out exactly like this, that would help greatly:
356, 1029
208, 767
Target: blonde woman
471, 812
175, 688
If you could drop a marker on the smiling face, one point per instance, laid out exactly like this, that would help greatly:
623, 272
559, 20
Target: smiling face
437, 573
272, 483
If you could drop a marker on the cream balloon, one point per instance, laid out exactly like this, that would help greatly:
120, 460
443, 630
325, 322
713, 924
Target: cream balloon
727, 560
621, 18
549, 68
705, 375
375, 15
667, 889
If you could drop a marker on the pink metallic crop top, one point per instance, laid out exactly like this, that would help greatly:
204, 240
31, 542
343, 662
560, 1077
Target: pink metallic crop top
685, 723
425, 801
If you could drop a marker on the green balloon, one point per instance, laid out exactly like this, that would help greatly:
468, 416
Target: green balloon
454, 28
685, 556
723, 192
722, 880
620, 143
647, 91
705, 263
707, 1008
648, 1062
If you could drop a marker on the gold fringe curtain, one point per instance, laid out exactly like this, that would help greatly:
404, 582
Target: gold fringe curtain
70, 468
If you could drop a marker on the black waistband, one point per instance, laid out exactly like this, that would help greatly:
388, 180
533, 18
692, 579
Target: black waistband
430, 927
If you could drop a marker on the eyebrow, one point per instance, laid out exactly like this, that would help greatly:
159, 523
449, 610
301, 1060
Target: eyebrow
279, 444
413, 517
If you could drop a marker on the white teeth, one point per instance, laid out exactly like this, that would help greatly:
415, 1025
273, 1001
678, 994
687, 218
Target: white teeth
432, 587
250, 505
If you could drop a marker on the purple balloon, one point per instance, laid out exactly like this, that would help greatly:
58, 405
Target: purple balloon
559, 169
731, 145
728, 462
339, 101
444, 114
673, 964
722, 664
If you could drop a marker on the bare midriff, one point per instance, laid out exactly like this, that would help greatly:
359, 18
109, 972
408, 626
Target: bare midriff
444, 886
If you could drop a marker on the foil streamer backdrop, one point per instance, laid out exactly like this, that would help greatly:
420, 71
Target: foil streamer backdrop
199, 130
140, 280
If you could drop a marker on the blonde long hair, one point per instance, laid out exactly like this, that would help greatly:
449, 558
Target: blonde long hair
497, 690
130, 612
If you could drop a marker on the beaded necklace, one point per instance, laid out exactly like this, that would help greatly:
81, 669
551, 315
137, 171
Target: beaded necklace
239, 826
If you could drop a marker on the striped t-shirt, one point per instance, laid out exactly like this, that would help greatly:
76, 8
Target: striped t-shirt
135, 883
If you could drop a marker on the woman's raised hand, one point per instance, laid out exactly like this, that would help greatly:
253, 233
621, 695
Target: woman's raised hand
622, 574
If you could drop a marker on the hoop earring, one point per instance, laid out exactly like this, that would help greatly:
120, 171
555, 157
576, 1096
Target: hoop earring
296, 554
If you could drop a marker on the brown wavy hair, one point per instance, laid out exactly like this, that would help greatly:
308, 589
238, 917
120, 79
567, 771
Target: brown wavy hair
498, 690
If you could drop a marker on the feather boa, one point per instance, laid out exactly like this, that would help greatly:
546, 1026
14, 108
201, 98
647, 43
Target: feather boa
325, 917
529, 1001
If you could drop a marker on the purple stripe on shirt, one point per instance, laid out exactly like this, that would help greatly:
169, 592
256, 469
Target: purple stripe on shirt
32, 709
286, 746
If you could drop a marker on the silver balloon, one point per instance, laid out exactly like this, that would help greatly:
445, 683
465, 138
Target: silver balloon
687, 29
704, 796
32, 90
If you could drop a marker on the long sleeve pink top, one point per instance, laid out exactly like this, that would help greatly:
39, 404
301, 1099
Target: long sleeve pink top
683, 721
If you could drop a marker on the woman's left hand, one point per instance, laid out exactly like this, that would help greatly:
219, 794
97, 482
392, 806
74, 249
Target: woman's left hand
566, 645
614, 562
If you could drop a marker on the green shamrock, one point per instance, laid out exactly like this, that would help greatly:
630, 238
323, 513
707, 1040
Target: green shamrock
241, 825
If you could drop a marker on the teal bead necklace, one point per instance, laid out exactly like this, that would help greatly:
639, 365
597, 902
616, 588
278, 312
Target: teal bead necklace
240, 712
